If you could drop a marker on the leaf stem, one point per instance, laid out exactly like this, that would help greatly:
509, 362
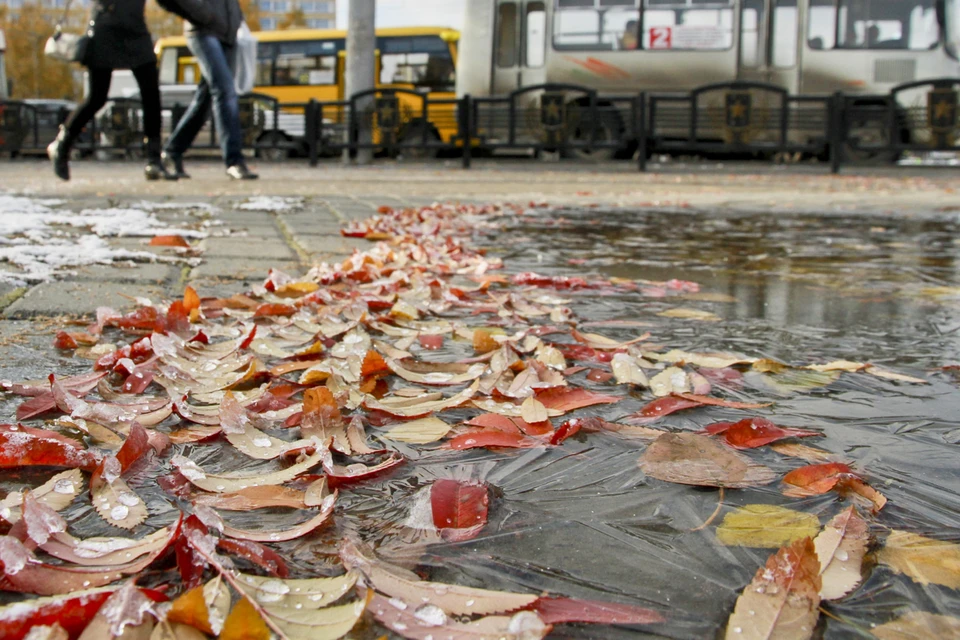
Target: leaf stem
713, 515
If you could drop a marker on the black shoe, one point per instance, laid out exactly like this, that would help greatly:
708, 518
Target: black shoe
173, 162
155, 169
59, 153
240, 171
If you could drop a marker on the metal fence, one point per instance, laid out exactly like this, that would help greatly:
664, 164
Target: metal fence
729, 119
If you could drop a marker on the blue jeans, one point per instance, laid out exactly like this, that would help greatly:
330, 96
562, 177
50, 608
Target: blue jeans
216, 62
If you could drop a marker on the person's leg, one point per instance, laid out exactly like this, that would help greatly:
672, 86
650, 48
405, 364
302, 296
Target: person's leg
148, 80
215, 67
187, 129
59, 150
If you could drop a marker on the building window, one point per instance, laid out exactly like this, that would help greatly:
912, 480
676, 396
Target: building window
268, 24
316, 23
266, 5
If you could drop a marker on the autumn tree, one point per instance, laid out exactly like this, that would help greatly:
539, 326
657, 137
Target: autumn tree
251, 13
32, 74
293, 20
162, 23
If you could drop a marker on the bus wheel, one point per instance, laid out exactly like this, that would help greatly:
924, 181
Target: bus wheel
607, 132
412, 146
273, 146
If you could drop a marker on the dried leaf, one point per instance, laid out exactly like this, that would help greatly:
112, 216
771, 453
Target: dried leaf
766, 526
782, 600
532, 410
227, 483
244, 623
459, 509
687, 458
690, 314
918, 625
627, 371
404, 408
24, 446
117, 503
750, 433
427, 621
571, 398
564, 610
841, 547
266, 497
491, 438
73, 612
670, 380
300, 530
124, 615
419, 431
923, 560
311, 593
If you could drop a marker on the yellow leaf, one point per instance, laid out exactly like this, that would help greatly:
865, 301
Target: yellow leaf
924, 560
191, 609
244, 623
689, 314
532, 410
838, 365
919, 625
766, 526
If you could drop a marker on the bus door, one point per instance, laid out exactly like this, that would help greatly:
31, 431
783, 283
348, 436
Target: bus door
770, 42
520, 45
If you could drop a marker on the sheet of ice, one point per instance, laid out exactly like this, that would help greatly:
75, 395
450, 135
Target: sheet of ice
42, 241
271, 203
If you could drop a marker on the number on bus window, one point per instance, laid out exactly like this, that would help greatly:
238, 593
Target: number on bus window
507, 35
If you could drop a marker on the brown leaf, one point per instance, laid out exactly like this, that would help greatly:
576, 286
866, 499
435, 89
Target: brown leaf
919, 625
924, 560
841, 547
687, 458
782, 600
244, 623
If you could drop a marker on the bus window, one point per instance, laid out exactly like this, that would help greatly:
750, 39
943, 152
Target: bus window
265, 54
874, 24
750, 19
422, 61
687, 25
507, 35
169, 63
536, 30
784, 34
822, 25
596, 25
308, 63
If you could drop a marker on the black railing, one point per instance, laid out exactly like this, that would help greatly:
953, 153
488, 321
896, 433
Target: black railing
735, 118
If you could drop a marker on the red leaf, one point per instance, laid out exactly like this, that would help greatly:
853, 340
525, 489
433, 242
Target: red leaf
511, 424
374, 364
754, 432
191, 564
137, 382
246, 342
570, 398
256, 553
431, 341
23, 447
338, 475
64, 341
719, 402
599, 375
178, 318
273, 309
815, 479
561, 610
487, 438
36, 406
140, 351
144, 318
665, 406
134, 447
565, 430
459, 509
169, 241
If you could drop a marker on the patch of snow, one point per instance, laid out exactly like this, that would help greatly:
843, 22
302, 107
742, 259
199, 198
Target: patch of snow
271, 203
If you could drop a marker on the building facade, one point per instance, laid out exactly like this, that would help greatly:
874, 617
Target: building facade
317, 14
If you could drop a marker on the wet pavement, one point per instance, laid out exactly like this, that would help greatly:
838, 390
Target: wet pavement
873, 278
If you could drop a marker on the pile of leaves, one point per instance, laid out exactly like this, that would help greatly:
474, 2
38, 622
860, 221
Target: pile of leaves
210, 416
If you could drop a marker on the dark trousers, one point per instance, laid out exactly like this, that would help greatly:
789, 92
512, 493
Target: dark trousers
149, 82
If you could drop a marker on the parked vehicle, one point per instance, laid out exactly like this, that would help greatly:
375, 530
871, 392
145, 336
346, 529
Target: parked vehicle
298, 65
624, 46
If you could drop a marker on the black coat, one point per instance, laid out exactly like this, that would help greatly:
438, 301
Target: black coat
219, 18
120, 39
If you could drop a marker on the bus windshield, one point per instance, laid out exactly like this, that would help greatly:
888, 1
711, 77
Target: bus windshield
873, 24
951, 27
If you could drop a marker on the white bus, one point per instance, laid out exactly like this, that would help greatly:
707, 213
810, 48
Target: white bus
623, 46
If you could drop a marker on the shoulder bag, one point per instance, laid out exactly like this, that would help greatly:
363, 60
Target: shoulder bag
68, 47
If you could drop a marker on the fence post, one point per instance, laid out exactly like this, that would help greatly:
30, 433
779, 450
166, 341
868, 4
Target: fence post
312, 126
836, 137
642, 131
466, 129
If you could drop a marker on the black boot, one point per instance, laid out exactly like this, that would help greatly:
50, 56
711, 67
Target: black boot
173, 162
59, 153
155, 169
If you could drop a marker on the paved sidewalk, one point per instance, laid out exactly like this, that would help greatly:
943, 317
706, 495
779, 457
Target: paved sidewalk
332, 195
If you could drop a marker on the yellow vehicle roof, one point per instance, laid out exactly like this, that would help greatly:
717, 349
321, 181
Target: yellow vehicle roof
289, 35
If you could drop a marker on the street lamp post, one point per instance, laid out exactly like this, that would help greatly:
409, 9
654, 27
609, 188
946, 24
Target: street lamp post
360, 71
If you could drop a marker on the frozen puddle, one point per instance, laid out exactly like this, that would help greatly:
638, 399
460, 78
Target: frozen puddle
39, 241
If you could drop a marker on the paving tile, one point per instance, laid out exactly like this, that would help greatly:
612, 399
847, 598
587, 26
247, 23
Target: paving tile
252, 246
241, 269
79, 298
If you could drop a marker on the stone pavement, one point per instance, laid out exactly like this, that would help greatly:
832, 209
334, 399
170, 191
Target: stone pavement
332, 195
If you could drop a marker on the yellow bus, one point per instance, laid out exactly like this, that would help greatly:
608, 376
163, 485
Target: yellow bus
297, 65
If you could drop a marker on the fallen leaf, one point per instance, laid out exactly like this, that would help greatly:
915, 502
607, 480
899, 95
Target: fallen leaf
923, 560
419, 431
244, 623
627, 371
227, 483
510, 424
782, 600
298, 531
687, 458
841, 547
459, 509
565, 610
491, 438
754, 432
766, 526
566, 399
918, 625
169, 241
685, 313
670, 380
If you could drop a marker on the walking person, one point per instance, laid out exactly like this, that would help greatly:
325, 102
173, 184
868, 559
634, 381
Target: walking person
214, 47
119, 39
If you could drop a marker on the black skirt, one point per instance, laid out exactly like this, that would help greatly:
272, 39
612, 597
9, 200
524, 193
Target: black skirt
118, 48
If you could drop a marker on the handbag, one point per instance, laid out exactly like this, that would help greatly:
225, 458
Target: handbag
68, 47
